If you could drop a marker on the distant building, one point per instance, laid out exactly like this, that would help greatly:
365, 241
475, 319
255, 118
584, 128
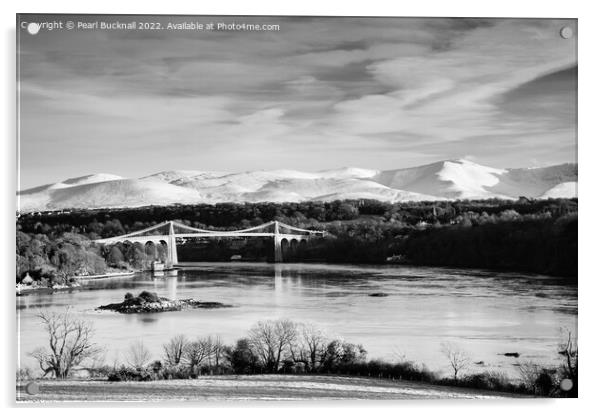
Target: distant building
27, 280
422, 224
158, 266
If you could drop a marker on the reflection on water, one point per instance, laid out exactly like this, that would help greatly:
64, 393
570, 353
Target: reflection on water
485, 313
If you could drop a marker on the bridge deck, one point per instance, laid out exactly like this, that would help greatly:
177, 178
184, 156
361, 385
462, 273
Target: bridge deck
201, 235
293, 234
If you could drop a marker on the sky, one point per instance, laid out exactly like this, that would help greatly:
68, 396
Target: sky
319, 93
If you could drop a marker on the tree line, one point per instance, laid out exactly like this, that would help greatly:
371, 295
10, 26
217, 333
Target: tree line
275, 347
538, 236
106, 223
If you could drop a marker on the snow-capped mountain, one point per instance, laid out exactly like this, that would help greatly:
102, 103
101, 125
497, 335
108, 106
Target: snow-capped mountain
450, 179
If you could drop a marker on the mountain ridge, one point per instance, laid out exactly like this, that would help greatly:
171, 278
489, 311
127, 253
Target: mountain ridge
442, 180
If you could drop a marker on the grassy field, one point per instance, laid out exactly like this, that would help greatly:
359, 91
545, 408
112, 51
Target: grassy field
258, 387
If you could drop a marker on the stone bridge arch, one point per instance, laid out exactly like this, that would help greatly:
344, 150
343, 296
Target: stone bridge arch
150, 249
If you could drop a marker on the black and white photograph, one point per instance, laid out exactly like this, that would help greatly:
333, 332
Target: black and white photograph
229, 208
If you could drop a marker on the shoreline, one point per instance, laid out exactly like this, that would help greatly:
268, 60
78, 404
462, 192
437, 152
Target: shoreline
248, 388
23, 290
105, 276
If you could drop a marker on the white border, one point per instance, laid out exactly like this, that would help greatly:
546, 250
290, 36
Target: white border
590, 339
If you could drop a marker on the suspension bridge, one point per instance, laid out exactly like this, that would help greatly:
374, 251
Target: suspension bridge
167, 233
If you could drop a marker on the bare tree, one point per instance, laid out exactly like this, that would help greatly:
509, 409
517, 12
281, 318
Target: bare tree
529, 373
137, 355
399, 355
269, 340
174, 350
217, 350
196, 352
568, 348
97, 365
458, 359
309, 347
69, 344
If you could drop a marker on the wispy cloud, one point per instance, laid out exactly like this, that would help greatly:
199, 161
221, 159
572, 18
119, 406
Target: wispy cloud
322, 92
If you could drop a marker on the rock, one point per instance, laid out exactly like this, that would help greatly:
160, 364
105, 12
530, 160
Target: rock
512, 354
378, 295
148, 302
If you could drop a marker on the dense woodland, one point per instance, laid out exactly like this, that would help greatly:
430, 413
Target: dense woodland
537, 236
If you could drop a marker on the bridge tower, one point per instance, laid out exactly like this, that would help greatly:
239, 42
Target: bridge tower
172, 251
277, 244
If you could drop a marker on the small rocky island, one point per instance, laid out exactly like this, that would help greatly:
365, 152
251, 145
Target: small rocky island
147, 302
